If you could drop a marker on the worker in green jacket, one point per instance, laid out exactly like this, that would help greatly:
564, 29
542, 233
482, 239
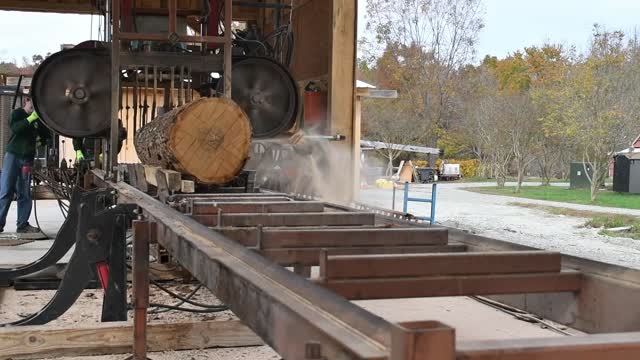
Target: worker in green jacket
84, 147
26, 133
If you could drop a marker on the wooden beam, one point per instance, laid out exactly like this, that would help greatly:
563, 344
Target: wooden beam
620, 346
64, 6
432, 286
187, 186
210, 208
342, 92
174, 178
388, 266
36, 342
288, 219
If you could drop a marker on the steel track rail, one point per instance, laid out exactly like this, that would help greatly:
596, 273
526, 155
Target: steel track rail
288, 312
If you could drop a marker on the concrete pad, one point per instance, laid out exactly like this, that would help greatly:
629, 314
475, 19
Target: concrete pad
471, 319
50, 219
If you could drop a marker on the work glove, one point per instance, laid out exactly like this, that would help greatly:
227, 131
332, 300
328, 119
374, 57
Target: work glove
79, 155
33, 117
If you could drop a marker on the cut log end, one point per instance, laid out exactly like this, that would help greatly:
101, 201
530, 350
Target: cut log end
209, 138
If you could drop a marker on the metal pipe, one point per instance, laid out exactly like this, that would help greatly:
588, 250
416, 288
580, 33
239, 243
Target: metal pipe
393, 202
432, 217
405, 202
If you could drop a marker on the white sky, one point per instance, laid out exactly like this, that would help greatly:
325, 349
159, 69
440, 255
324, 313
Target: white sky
510, 25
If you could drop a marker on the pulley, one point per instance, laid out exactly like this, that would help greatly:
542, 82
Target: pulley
71, 92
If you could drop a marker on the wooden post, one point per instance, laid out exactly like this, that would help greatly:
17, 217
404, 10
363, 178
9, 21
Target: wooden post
228, 13
140, 288
342, 84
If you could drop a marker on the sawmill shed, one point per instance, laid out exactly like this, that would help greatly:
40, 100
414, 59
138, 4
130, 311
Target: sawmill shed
324, 53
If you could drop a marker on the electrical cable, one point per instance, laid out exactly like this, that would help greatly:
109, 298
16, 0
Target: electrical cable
206, 308
186, 299
197, 311
157, 310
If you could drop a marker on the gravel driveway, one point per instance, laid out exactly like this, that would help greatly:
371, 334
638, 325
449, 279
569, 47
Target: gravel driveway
492, 216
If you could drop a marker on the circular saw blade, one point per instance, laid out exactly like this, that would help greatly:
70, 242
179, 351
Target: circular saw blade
71, 92
267, 94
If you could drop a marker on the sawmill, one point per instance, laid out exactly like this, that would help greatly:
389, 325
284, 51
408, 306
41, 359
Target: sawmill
203, 119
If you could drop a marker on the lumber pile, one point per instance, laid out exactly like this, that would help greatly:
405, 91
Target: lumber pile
209, 138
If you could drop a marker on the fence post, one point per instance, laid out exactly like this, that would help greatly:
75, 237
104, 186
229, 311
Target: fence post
433, 204
406, 197
393, 202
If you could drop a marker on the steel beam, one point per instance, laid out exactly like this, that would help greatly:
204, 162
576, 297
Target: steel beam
432, 286
288, 312
387, 266
311, 256
622, 346
195, 62
245, 199
289, 219
275, 238
211, 208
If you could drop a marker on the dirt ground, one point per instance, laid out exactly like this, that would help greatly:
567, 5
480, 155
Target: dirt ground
472, 320
17, 304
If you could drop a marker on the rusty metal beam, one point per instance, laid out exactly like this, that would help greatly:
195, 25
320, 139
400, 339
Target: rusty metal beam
289, 219
228, 195
269, 299
622, 346
473, 263
431, 286
273, 238
311, 256
211, 208
239, 199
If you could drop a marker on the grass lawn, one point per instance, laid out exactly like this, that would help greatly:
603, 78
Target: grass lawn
509, 179
561, 194
598, 220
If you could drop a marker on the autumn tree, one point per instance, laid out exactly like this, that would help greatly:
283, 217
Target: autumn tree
427, 42
384, 122
600, 109
547, 67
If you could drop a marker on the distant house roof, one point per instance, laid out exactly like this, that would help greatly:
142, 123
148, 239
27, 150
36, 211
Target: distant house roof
364, 85
377, 145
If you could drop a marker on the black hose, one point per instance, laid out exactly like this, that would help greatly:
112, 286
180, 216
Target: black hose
198, 311
186, 299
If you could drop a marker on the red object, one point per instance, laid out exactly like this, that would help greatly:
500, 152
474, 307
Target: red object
127, 15
315, 110
103, 273
26, 169
214, 20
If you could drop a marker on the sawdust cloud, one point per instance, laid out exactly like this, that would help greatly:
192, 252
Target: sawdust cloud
316, 167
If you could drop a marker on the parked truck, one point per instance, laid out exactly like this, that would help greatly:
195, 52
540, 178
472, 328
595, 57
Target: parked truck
450, 172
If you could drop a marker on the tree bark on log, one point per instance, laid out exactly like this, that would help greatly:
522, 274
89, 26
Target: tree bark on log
208, 138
